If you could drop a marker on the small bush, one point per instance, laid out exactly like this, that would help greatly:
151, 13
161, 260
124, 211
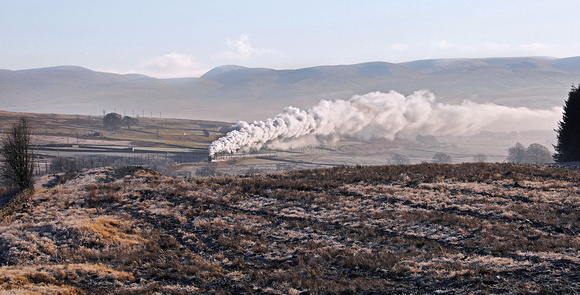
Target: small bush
18, 166
399, 159
441, 158
207, 170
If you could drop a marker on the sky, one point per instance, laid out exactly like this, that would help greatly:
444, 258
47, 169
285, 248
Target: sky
167, 39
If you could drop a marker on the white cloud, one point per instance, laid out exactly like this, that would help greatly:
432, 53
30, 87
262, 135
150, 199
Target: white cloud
400, 46
241, 50
535, 46
173, 65
441, 44
494, 46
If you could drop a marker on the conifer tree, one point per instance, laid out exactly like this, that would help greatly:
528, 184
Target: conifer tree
568, 145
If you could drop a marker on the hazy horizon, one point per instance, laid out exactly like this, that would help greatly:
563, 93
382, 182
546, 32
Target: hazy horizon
187, 39
287, 69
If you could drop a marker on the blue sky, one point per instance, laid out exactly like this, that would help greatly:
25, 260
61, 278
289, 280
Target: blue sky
187, 38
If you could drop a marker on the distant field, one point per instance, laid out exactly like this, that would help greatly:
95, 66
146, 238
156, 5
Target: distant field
184, 142
78, 136
152, 131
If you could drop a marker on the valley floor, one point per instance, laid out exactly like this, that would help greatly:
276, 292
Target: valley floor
469, 228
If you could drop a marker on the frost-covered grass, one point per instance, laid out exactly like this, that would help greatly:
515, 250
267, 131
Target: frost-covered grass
468, 228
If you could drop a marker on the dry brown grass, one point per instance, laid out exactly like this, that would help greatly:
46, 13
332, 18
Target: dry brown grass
463, 229
57, 279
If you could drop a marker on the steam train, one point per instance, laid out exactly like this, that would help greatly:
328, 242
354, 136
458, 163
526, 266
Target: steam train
226, 157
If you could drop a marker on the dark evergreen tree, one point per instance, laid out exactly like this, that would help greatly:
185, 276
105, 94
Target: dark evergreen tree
568, 146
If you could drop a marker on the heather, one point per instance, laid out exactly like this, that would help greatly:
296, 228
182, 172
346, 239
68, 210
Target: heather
429, 228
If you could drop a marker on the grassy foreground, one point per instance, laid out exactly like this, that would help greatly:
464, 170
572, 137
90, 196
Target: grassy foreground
457, 229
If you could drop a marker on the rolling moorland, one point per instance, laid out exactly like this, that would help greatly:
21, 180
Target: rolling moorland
361, 228
472, 228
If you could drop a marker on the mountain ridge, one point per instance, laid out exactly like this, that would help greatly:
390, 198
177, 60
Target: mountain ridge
233, 92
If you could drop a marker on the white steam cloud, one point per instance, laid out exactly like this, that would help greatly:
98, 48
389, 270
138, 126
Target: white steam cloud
379, 115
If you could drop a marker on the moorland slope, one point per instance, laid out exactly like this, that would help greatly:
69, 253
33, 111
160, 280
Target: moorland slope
440, 229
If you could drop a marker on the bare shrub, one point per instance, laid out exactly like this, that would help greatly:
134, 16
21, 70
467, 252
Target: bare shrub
18, 166
441, 158
61, 164
400, 159
535, 153
479, 158
164, 166
253, 171
207, 170
76, 164
61, 179
516, 153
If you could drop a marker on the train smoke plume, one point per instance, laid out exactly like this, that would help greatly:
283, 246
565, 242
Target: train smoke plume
379, 115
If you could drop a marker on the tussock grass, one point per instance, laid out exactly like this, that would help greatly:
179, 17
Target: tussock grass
467, 228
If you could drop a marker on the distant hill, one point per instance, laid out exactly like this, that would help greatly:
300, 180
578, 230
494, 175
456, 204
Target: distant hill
234, 92
69, 89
